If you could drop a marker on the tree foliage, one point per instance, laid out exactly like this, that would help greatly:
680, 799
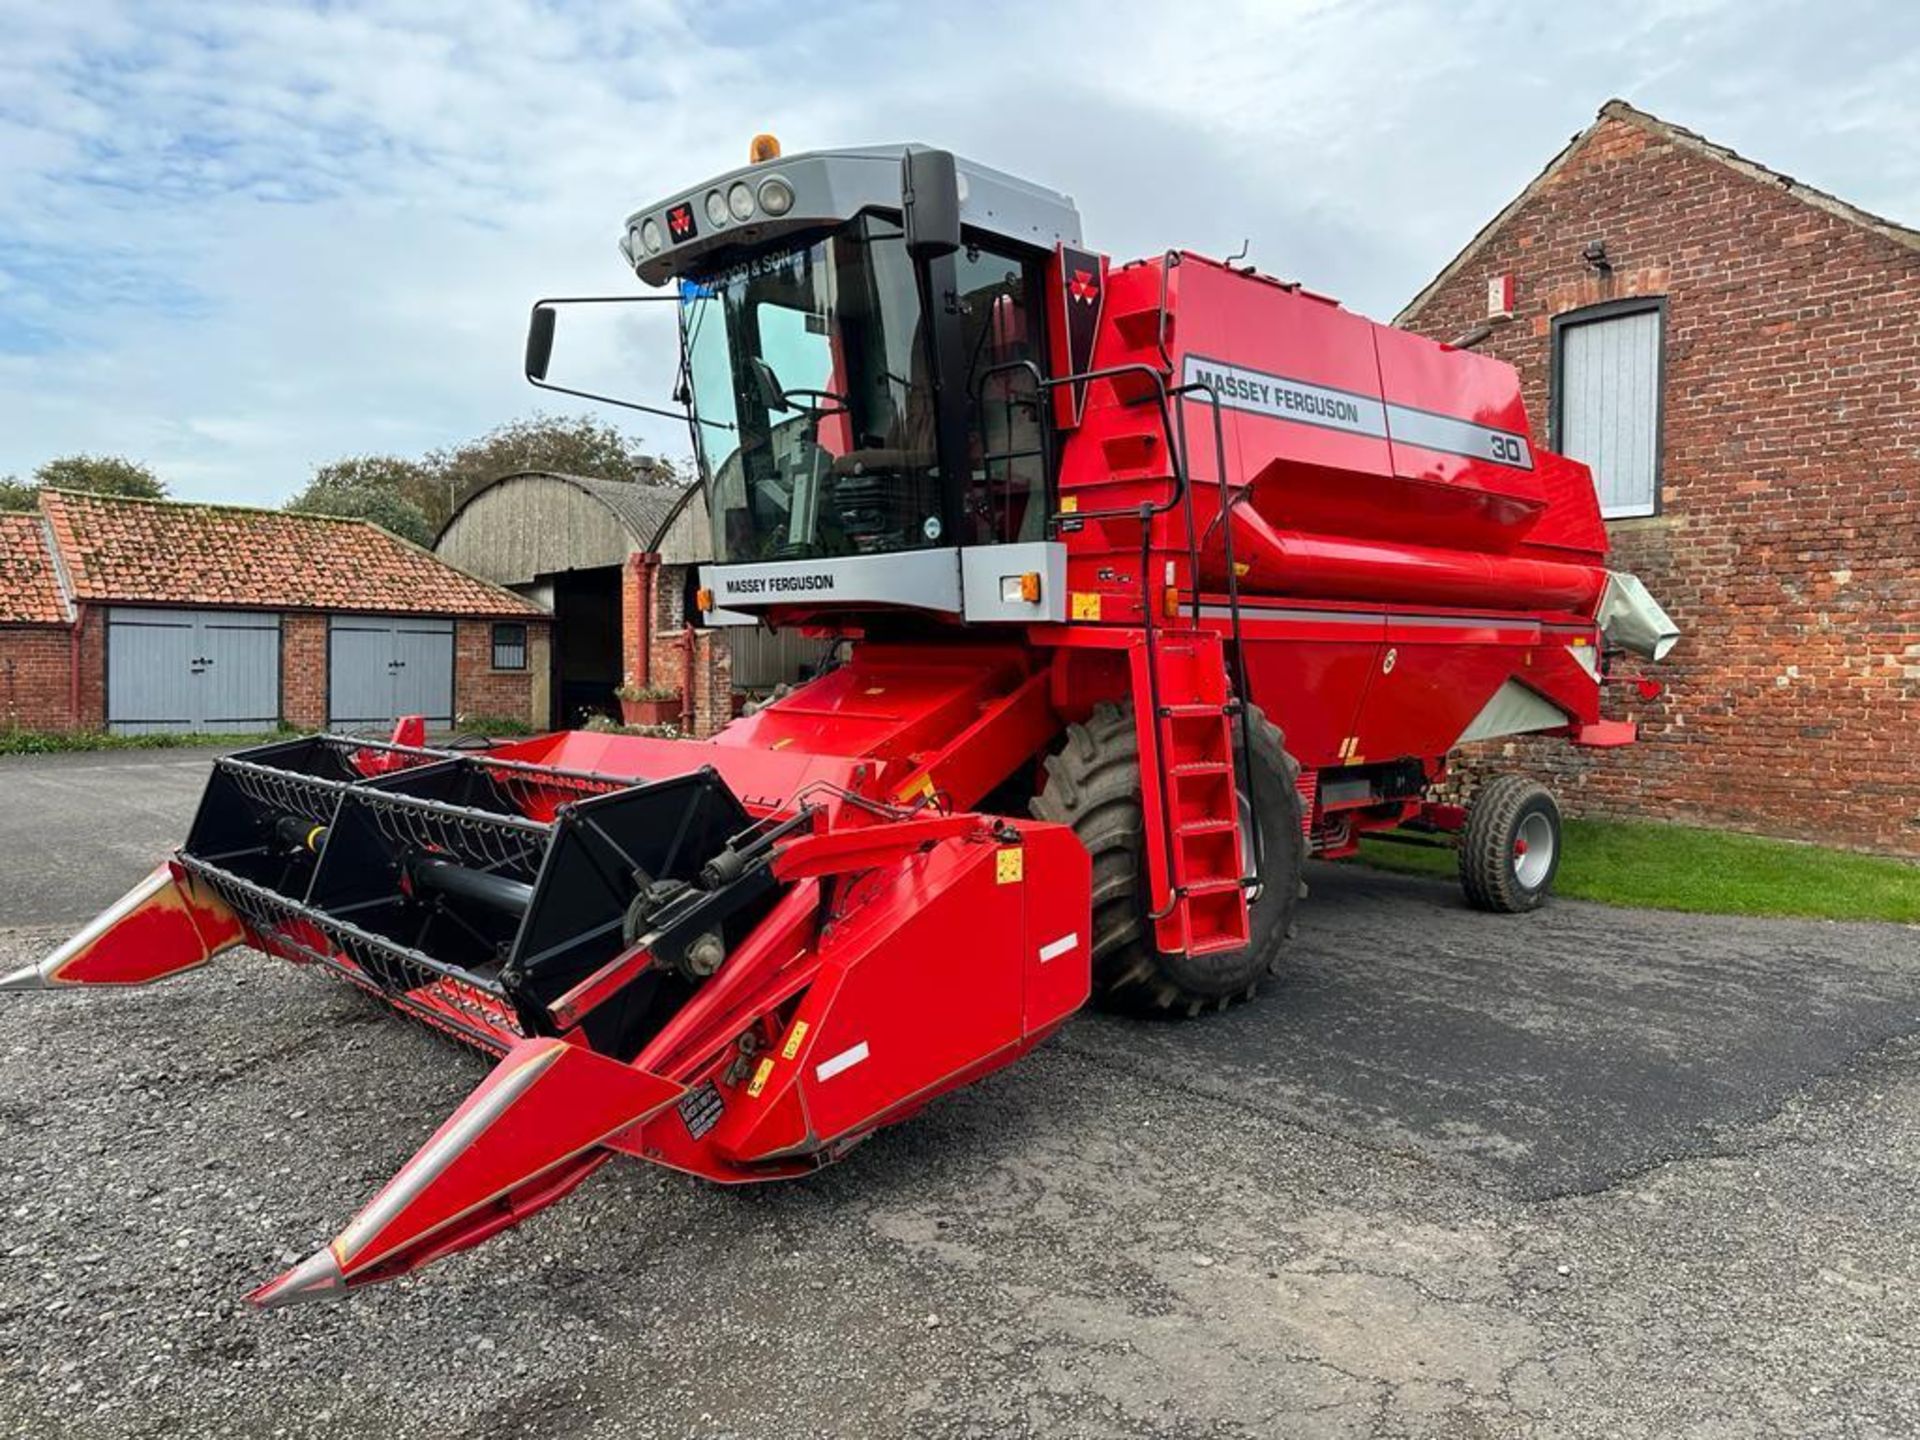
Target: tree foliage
568, 444
94, 474
101, 475
380, 488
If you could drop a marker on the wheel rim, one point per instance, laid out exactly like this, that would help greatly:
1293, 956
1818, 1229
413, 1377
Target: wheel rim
1244, 806
1533, 846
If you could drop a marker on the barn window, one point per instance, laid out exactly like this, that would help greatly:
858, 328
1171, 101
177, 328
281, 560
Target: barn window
1608, 385
509, 647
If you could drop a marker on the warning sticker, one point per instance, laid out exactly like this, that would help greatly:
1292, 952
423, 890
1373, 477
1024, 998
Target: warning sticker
702, 1109
794, 1037
1010, 866
759, 1081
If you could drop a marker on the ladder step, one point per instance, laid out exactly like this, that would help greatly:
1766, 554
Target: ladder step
1191, 712
1212, 885
1140, 328
1202, 767
1217, 944
1206, 827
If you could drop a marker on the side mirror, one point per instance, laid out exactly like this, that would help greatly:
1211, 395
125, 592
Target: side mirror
930, 203
540, 352
540, 341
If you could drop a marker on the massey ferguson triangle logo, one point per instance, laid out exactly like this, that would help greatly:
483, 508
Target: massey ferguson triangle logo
1083, 287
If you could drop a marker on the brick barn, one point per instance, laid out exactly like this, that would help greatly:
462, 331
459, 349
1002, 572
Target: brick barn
1737, 356
142, 616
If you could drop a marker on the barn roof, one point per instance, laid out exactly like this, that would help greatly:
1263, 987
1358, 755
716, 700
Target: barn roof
644, 507
168, 552
1686, 140
30, 591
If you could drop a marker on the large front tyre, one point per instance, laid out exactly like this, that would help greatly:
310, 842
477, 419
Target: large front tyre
1093, 786
1510, 849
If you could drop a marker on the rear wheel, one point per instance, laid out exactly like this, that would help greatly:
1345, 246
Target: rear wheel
1510, 849
1093, 785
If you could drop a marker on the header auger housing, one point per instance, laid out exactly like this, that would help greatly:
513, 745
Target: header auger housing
1150, 581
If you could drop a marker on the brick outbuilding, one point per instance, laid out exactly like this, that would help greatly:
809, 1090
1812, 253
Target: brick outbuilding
614, 561
141, 615
1737, 355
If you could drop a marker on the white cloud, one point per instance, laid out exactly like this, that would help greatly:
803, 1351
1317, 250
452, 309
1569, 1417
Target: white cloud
240, 239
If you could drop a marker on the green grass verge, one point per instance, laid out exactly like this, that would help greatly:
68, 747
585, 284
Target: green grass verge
1710, 872
56, 742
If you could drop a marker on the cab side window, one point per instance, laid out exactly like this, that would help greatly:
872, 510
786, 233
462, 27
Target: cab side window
1000, 302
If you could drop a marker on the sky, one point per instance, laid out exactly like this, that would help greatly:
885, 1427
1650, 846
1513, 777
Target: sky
238, 240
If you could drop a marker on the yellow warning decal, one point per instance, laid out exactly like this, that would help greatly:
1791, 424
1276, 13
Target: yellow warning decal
794, 1037
1069, 504
1086, 605
922, 786
759, 1081
1010, 865
1241, 567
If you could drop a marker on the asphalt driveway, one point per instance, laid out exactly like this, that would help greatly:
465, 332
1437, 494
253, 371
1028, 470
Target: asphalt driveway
1588, 1172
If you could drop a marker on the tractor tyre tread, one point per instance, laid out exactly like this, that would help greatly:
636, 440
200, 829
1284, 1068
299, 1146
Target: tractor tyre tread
1093, 786
1486, 845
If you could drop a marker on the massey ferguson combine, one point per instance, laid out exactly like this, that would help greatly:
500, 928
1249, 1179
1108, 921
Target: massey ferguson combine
1152, 580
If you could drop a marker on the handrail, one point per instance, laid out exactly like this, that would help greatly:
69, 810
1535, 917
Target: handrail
1180, 496
1227, 502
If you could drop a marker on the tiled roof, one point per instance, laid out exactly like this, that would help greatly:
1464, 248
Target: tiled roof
29, 584
166, 552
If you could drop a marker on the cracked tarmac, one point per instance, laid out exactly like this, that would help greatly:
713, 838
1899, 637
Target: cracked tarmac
1587, 1173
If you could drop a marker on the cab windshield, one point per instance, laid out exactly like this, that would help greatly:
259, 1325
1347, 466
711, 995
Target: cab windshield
810, 379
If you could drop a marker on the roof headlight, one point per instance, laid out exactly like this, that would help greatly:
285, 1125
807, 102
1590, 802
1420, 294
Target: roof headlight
716, 208
740, 200
776, 196
650, 237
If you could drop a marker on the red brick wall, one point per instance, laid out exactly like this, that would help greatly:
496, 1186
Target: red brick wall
303, 671
636, 599
712, 668
36, 677
91, 636
1788, 543
479, 690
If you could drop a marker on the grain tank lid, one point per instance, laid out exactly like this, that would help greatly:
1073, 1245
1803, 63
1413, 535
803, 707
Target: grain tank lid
1632, 619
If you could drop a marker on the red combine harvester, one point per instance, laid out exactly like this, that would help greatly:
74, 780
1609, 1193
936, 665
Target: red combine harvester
1152, 580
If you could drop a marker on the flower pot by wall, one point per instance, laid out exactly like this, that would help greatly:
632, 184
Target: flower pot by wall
662, 711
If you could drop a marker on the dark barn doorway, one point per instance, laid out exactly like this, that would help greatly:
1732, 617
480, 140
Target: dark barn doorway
586, 644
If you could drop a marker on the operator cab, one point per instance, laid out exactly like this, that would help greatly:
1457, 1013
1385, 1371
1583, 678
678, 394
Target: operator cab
862, 339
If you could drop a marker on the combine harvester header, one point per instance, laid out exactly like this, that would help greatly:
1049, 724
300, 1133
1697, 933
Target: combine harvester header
1151, 580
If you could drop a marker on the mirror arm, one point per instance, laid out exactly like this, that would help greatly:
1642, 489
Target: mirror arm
543, 352
630, 405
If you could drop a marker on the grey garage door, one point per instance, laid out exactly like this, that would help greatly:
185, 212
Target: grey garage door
211, 671
380, 667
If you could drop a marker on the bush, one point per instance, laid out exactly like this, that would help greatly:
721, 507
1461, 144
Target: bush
56, 742
492, 726
631, 691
